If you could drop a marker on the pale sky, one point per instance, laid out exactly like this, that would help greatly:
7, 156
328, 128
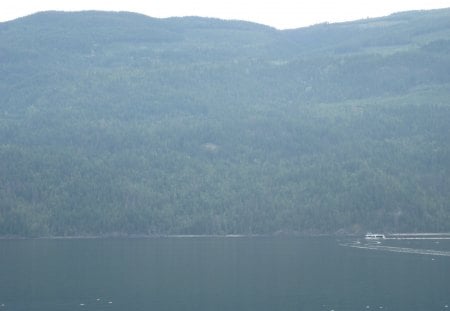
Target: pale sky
281, 14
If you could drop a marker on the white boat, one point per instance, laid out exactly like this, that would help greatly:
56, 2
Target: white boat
375, 236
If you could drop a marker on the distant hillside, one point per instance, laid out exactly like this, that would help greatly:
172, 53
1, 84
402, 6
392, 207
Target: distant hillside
118, 123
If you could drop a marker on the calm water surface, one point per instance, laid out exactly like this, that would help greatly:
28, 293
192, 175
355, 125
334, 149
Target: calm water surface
222, 274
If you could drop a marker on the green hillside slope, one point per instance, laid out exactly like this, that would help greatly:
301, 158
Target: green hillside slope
118, 123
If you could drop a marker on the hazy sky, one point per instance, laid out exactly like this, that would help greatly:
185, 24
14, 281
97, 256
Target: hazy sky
277, 13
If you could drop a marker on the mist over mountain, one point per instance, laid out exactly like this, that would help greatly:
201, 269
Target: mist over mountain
118, 123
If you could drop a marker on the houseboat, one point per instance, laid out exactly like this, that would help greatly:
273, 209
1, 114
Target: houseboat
375, 236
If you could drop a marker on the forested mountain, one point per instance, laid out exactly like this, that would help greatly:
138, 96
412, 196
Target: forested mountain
118, 123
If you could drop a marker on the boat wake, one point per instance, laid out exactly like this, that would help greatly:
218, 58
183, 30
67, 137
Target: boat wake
396, 249
377, 242
418, 236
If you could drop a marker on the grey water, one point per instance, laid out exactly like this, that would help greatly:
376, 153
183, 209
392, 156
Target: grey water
214, 273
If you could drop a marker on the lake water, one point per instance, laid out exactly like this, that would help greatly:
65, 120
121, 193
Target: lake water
223, 274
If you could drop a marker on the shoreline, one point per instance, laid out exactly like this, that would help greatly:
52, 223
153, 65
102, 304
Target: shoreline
163, 236
393, 236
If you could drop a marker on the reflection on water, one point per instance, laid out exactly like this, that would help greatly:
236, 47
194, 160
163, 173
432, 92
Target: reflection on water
223, 274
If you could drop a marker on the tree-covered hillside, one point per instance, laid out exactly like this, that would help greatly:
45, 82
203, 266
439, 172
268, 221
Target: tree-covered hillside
118, 123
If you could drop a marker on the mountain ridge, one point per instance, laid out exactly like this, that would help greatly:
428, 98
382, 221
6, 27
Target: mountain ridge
118, 123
